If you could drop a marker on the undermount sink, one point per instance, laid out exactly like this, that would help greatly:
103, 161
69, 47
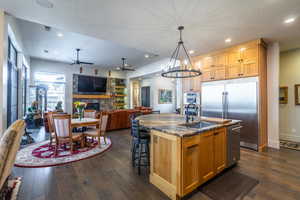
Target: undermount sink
201, 124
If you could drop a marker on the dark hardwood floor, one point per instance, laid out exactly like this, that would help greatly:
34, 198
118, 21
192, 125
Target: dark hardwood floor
111, 176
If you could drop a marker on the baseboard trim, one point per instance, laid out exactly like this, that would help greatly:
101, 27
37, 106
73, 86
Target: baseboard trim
274, 144
289, 137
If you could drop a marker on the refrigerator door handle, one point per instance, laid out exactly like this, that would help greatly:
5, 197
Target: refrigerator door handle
226, 104
223, 105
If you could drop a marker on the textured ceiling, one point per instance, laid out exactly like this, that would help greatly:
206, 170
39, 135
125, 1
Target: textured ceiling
151, 25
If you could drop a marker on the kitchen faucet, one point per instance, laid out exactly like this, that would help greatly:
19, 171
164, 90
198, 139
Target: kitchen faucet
190, 111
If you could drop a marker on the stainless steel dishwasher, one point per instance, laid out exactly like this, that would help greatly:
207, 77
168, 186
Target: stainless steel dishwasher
233, 144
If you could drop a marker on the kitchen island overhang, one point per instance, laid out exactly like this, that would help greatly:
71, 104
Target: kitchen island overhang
184, 156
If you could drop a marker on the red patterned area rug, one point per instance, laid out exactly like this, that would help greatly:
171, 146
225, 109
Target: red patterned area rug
43, 155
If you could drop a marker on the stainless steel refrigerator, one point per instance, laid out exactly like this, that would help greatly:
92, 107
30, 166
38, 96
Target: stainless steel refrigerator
234, 99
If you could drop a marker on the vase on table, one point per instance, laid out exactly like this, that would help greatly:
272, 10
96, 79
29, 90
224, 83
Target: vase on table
80, 108
80, 113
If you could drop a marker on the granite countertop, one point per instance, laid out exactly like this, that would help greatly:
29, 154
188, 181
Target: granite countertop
175, 124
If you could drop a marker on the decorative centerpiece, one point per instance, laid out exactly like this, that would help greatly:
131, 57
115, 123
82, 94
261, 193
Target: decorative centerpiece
80, 106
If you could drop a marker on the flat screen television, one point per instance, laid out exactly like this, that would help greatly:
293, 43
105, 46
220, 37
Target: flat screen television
91, 85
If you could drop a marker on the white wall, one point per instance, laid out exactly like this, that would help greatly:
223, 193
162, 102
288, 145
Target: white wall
273, 94
38, 65
156, 83
154, 68
290, 113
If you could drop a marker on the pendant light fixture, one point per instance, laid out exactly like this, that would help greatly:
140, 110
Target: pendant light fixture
180, 65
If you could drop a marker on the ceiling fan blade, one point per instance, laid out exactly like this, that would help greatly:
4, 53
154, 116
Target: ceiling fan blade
87, 63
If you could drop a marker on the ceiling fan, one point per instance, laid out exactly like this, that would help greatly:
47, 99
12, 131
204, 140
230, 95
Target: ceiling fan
78, 62
125, 66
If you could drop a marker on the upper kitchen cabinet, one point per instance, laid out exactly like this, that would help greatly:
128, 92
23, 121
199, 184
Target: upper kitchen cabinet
191, 84
243, 61
249, 60
213, 67
233, 68
234, 62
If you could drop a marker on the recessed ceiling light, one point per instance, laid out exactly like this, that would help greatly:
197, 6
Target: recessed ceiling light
60, 34
228, 40
147, 56
191, 51
289, 20
45, 3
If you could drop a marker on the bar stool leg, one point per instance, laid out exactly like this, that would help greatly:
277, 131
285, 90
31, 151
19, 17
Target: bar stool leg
133, 153
140, 156
148, 154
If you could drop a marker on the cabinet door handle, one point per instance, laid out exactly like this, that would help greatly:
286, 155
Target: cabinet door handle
192, 146
216, 133
236, 128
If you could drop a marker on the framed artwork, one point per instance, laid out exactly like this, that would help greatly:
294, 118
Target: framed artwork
164, 96
297, 94
283, 95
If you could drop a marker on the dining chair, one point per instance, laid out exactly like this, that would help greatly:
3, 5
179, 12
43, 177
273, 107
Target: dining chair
99, 130
90, 114
63, 132
50, 125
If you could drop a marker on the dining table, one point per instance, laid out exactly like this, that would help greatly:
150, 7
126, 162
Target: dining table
83, 122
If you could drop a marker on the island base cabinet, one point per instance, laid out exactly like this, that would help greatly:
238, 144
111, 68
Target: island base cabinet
180, 165
165, 163
206, 157
220, 150
190, 164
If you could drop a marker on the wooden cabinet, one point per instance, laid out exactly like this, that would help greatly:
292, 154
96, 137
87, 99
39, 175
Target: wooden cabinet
249, 61
233, 69
203, 156
242, 62
190, 164
235, 62
218, 73
220, 150
219, 59
212, 154
191, 84
206, 75
178, 165
213, 67
206, 164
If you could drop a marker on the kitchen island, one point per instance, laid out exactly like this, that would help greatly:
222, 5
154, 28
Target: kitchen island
183, 155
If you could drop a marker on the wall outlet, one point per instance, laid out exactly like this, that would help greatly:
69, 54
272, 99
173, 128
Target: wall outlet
294, 130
